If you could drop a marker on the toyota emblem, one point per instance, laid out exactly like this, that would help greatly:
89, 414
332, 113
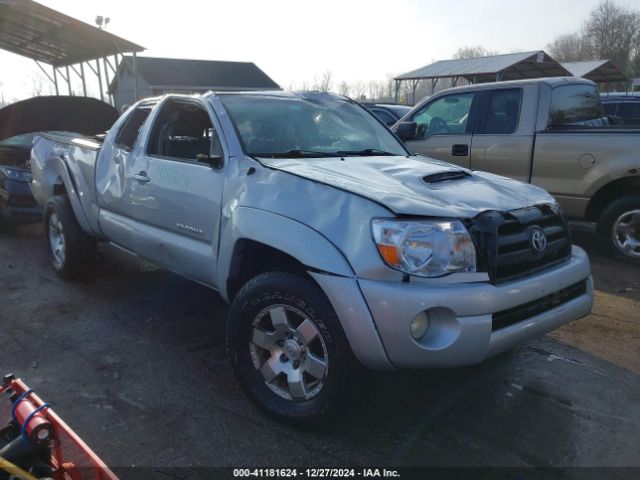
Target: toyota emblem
538, 240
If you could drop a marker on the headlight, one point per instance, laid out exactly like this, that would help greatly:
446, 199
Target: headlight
425, 248
15, 174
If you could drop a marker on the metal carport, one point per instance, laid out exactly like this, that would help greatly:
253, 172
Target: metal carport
599, 71
492, 68
52, 38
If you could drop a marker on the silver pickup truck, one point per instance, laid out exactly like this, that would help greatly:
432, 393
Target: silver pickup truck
551, 132
336, 248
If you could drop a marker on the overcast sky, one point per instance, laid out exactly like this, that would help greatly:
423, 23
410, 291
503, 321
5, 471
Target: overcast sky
296, 40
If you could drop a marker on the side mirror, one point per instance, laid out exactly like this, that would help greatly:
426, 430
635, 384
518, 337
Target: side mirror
214, 161
406, 130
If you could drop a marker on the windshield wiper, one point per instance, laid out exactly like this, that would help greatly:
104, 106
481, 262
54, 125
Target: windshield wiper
294, 154
367, 152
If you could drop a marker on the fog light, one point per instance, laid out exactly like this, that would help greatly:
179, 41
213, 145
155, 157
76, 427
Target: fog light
419, 325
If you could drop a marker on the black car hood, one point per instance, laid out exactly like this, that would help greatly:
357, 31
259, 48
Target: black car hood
83, 115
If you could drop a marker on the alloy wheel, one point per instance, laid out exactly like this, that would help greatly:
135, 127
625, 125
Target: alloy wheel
288, 350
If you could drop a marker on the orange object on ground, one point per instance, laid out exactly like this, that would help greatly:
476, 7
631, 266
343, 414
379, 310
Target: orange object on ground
32, 426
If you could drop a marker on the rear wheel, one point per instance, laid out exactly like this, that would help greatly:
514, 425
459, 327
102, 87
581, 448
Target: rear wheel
288, 350
619, 228
72, 252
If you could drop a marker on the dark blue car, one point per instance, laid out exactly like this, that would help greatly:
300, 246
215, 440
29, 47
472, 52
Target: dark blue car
17, 204
624, 107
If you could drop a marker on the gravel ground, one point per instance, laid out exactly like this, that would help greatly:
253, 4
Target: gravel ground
133, 360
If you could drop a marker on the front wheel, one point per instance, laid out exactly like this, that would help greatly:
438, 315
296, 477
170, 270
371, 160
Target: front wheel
288, 350
72, 252
619, 228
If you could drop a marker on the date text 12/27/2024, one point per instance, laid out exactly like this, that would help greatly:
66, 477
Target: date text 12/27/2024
315, 473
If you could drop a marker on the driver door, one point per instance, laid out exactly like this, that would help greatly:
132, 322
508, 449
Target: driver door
444, 128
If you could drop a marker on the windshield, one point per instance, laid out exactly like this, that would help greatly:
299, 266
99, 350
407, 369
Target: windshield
309, 125
25, 141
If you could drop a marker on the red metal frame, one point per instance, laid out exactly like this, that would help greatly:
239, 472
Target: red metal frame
101, 470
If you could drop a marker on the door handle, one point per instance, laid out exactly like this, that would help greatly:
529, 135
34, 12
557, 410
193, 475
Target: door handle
460, 150
142, 177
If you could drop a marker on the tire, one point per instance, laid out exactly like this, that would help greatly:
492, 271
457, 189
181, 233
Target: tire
72, 252
619, 228
257, 320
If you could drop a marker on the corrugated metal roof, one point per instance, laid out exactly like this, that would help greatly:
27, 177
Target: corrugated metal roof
522, 65
596, 70
580, 69
46, 35
198, 74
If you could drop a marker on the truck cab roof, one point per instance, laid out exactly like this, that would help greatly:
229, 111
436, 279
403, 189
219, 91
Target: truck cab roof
552, 82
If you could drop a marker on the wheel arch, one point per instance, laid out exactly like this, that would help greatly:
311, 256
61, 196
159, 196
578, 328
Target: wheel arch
55, 179
257, 241
609, 192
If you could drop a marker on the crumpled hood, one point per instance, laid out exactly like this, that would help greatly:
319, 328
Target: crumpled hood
398, 184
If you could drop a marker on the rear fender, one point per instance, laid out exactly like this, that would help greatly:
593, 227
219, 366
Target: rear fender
50, 173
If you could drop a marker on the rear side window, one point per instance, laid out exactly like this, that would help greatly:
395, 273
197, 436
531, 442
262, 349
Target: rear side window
575, 105
384, 116
610, 108
503, 112
129, 133
630, 111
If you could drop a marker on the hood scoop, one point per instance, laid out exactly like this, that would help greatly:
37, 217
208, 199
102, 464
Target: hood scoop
444, 176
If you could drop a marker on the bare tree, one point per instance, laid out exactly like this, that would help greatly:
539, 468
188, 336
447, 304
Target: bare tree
325, 82
344, 88
473, 52
358, 90
572, 47
37, 85
376, 90
613, 31
390, 88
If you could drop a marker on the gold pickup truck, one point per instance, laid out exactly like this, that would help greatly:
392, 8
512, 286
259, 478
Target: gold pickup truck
551, 132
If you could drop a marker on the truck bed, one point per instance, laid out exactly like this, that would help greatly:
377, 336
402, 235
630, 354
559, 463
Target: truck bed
58, 155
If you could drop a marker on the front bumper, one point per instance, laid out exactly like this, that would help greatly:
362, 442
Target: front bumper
17, 200
460, 331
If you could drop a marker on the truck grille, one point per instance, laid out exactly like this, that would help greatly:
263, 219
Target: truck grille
517, 314
505, 241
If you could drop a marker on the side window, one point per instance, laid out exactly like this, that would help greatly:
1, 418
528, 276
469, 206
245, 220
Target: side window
503, 112
384, 116
183, 130
610, 108
129, 132
630, 111
575, 105
446, 115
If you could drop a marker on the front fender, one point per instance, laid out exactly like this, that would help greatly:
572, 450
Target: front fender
330, 269
305, 244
